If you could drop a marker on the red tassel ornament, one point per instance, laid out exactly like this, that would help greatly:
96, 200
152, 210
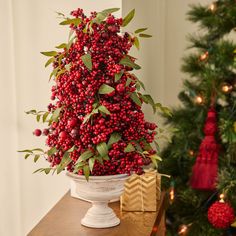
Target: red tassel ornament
206, 167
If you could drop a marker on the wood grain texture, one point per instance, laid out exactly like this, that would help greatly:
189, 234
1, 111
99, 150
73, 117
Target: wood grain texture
64, 220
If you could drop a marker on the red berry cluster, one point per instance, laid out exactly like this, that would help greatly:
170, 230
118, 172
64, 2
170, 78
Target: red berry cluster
76, 93
221, 215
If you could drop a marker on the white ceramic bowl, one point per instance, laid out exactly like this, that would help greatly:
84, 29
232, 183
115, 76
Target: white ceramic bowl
99, 190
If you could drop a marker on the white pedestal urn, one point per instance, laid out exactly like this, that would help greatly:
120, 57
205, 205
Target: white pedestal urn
99, 190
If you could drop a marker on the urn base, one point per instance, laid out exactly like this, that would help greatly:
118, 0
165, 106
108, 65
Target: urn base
100, 215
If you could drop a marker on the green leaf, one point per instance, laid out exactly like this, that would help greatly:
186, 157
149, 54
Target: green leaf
88, 116
78, 166
56, 114
49, 53
47, 170
85, 155
102, 149
129, 148
38, 170
49, 61
126, 61
136, 43
155, 156
110, 10
52, 151
36, 157
75, 21
99, 18
99, 159
60, 14
91, 163
70, 43
156, 145
136, 99
38, 118
26, 150
27, 155
145, 35
31, 112
147, 146
71, 149
86, 172
45, 115
114, 138
60, 72
106, 158
87, 60
67, 66
165, 110
128, 81
140, 83
65, 161
140, 30
149, 100
63, 45
105, 89
128, 18
38, 149
118, 76
138, 147
104, 110
54, 72
154, 161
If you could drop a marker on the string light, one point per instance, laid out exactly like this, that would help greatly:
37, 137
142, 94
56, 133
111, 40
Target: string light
226, 88
204, 56
183, 229
191, 153
199, 99
222, 197
172, 192
212, 7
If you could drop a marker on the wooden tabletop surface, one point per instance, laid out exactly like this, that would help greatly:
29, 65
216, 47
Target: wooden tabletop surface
64, 220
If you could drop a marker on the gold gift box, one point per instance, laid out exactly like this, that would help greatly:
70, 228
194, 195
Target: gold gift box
142, 192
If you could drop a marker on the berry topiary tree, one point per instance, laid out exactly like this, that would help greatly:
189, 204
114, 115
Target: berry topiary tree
95, 122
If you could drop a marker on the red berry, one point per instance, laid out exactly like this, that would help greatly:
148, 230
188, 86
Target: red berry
111, 94
72, 123
120, 88
46, 132
63, 135
37, 132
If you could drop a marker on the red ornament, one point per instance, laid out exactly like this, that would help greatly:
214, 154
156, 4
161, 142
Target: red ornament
206, 167
221, 215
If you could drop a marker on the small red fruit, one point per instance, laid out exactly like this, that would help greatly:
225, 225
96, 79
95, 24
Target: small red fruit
120, 88
46, 132
63, 135
111, 94
37, 132
72, 123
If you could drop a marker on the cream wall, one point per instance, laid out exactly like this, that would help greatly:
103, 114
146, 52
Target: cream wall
30, 26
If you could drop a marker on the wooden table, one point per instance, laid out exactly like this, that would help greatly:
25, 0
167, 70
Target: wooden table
64, 220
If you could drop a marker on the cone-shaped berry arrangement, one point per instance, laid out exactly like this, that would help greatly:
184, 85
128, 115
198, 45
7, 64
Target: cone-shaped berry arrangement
95, 122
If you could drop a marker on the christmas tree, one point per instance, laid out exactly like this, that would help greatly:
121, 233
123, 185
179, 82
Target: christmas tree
94, 123
201, 157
